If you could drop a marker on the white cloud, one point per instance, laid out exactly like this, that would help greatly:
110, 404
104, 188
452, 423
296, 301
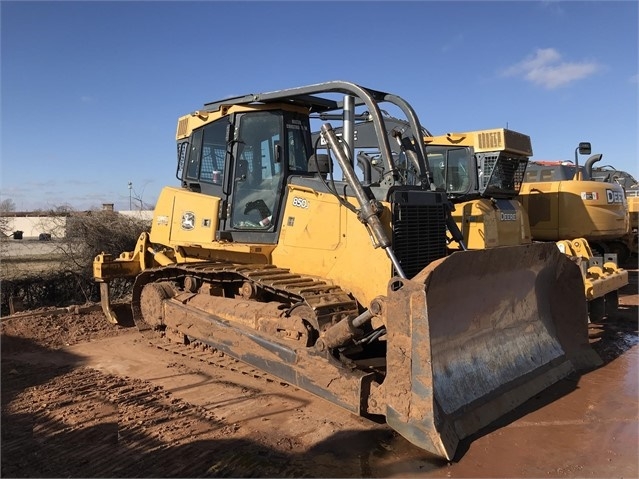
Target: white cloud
546, 68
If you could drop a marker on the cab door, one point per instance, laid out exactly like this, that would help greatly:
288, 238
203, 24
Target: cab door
258, 174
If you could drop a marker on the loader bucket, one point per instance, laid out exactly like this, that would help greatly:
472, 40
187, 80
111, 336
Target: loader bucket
478, 333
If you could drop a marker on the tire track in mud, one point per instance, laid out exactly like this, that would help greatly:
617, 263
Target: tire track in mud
85, 423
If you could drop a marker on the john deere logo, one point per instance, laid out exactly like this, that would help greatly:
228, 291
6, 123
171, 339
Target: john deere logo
188, 221
614, 196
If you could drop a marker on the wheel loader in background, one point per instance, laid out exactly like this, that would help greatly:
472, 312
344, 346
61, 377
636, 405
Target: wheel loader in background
341, 287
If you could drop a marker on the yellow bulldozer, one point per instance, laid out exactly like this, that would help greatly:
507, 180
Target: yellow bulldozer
507, 212
344, 287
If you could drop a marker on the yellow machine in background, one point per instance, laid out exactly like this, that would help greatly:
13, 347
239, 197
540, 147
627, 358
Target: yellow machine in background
483, 173
609, 174
632, 197
564, 202
344, 287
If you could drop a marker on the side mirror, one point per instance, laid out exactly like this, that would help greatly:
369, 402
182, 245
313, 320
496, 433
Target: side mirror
584, 148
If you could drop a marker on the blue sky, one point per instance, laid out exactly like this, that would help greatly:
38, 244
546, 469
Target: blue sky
92, 91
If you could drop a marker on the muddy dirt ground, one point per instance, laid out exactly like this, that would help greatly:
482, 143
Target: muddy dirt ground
83, 398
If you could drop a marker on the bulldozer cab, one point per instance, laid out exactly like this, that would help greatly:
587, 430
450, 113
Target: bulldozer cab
487, 163
453, 169
244, 159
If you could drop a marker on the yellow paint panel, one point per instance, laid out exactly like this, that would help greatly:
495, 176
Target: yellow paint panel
311, 220
574, 209
184, 217
498, 139
321, 237
485, 225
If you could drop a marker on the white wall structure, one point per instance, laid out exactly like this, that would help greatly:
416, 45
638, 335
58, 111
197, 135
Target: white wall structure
33, 226
146, 215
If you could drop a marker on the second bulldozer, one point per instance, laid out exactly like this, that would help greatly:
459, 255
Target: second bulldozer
343, 286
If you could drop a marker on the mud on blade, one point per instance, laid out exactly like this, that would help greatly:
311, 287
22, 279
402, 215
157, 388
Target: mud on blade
478, 333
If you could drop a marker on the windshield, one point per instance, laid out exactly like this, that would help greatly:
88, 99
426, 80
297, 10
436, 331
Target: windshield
541, 172
451, 168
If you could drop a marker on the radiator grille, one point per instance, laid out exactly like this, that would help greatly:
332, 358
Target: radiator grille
419, 228
502, 176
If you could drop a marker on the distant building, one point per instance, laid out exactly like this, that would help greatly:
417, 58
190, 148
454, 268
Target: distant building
32, 224
52, 225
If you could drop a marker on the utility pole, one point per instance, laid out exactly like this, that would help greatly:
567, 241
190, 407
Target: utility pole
130, 190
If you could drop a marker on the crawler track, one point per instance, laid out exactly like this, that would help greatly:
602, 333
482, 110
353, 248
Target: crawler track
328, 302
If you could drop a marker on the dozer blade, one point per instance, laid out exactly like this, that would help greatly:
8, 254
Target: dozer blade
478, 333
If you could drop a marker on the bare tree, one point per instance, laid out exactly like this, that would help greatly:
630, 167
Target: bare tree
137, 197
7, 206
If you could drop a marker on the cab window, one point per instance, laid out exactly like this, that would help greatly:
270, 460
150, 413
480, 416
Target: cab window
298, 146
258, 170
451, 168
207, 154
213, 153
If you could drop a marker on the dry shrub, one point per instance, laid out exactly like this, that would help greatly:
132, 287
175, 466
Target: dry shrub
97, 232
71, 282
